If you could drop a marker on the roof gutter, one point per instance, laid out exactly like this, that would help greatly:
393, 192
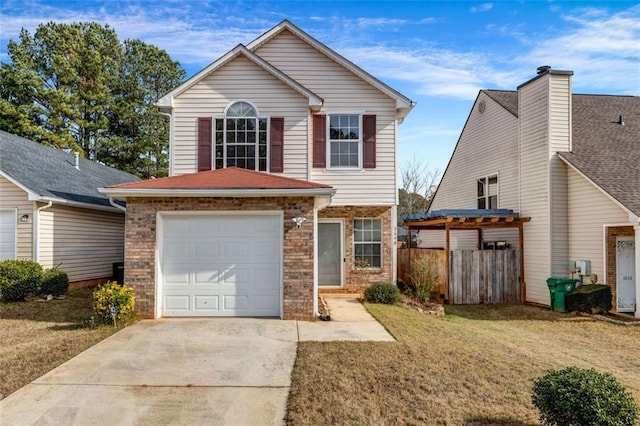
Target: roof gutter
223, 193
117, 206
75, 204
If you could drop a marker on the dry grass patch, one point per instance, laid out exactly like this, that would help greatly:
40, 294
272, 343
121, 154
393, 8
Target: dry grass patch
474, 366
38, 336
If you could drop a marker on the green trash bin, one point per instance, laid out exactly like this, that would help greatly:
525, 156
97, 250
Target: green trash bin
558, 288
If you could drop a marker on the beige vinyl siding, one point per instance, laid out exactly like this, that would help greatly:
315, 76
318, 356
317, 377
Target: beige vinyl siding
240, 79
533, 103
85, 243
589, 211
462, 239
342, 92
488, 145
12, 197
559, 114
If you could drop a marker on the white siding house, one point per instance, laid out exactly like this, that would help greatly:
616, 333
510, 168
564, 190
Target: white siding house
51, 211
557, 157
300, 121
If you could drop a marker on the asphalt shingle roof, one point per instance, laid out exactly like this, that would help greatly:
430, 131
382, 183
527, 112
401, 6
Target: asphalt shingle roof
51, 173
605, 151
227, 178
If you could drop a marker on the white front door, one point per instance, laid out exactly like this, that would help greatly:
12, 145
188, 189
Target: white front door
8, 223
221, 265
625, 274
330, 257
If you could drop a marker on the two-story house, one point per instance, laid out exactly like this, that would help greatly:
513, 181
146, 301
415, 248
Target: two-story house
282, 183
568, 161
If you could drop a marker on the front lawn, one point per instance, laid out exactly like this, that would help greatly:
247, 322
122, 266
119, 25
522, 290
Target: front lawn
474, 366
38, 336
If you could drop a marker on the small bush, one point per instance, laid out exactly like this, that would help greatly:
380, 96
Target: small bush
592, 298
121, 298
19, 279
54, 282
425, 278
575, 396
385, 293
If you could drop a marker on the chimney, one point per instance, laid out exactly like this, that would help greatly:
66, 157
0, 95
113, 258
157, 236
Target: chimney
76, 160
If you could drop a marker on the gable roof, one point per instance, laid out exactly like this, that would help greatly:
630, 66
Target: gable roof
606, 152
166, 102
229, 182
404, 105
48, 174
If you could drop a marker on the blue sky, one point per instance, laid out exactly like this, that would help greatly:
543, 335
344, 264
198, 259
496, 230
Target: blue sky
437, 53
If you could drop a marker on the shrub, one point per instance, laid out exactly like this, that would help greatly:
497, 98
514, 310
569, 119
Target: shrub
385, 293
19, 279
576, 396
425, 278
121, 298
592, 298
55, 282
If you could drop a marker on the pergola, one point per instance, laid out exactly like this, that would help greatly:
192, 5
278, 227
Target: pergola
469, 219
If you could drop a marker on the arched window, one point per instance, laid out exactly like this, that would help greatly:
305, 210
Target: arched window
241, 138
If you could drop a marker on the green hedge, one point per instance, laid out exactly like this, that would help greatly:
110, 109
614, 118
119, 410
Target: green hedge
55, 282
19, 279
592, 298
576, 396
382, 293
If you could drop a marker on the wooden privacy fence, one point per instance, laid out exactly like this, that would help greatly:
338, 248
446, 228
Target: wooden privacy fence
475, 276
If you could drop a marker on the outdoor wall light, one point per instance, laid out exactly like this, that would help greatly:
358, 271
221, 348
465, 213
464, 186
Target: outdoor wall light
24, 218
299, 220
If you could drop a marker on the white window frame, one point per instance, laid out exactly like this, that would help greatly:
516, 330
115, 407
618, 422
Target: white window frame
224, 117
487, 195
355, 243
328, 139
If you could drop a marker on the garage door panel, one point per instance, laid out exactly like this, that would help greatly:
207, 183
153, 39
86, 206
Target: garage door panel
221, 265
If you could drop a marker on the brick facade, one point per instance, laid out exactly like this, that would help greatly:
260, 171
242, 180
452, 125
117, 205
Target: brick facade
611, 278
356, 280
140, 246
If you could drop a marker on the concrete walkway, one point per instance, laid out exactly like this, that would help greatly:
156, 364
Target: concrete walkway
223, 371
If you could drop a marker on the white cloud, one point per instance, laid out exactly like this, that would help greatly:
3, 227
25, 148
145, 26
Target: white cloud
484, 7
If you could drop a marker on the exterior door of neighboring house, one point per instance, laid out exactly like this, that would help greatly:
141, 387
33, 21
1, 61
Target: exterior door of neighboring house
8, 224
625, 274
330, 253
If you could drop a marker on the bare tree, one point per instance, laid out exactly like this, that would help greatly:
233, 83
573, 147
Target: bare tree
419, 183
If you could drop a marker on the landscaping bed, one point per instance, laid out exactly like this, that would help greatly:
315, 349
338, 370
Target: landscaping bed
37, 336
476, 365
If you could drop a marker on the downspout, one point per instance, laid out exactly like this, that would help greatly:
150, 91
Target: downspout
36, 231
170, 116
116, 205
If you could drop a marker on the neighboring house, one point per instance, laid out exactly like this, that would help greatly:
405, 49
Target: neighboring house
282, 175
567, 161
51, 210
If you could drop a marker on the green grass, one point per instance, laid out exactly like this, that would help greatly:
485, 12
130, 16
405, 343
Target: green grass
38, 336
474, 366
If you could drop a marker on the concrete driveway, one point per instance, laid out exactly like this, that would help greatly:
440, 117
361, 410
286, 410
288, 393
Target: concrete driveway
232, 371
222, 371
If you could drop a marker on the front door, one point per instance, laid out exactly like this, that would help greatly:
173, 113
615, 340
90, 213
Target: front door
626, 274
330, 254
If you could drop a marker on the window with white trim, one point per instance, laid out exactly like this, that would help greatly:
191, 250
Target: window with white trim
367, 240
345, 140
487, 192
241, 138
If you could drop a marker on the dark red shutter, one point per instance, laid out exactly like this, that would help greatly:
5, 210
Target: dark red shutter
319, 140
276, 145
369, 141
204, 143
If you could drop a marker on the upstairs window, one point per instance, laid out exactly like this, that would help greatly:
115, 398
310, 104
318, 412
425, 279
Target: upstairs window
241, 138
344, 141
488, 192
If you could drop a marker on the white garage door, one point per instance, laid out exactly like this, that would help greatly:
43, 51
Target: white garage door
223, 265
8, 220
